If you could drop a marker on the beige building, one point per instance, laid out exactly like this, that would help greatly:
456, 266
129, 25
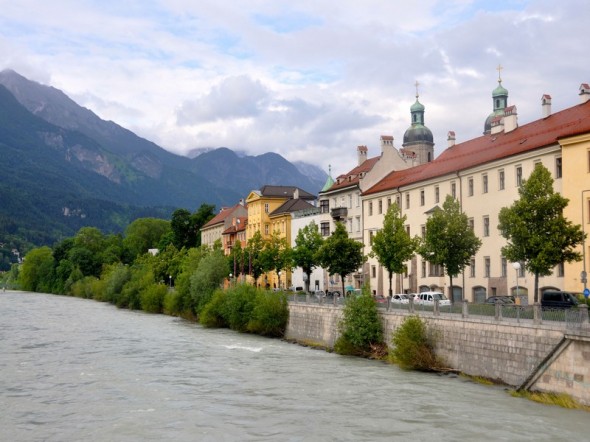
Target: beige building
484, 175
213, 230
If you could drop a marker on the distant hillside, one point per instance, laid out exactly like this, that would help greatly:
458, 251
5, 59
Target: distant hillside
63, 167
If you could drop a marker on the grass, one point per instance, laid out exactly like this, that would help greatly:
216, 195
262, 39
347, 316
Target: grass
558, 399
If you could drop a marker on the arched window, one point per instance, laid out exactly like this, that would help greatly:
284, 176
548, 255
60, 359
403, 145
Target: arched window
415, 117
424, 288
479, 294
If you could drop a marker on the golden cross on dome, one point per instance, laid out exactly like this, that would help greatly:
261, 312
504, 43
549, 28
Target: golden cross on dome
417, 84
499, 69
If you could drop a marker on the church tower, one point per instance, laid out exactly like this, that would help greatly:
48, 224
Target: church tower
418, 138
500, 102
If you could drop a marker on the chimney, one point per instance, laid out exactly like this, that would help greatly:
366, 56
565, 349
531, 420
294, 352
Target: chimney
451, 139
497, 124
362, 154
386, 142
584, 93
546, 105
510, 119
296, 193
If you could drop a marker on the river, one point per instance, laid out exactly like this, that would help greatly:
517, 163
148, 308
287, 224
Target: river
74, 369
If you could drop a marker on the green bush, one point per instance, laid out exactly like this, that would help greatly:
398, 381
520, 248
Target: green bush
85, 287
214, 313
171, 303
130, 296
114, 276
240, 303
210, 273
361, 330
152, 298
270, 314
412, 347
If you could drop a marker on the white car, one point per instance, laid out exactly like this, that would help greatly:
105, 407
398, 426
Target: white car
428, 298
400, 298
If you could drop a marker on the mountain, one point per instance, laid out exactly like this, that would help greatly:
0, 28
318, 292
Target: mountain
63, 167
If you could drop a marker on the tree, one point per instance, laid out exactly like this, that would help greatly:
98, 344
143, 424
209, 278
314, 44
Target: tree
275, 253
340, 254
186, 226
37, 270
307, 244
537, 232
144, 234
449, 241
254, 255
392, 245
87, 251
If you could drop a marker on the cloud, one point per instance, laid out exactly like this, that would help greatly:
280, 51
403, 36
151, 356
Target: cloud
309, 80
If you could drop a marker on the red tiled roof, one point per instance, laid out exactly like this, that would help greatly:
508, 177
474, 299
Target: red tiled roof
386, 137
221, 216
343, 181
540, 133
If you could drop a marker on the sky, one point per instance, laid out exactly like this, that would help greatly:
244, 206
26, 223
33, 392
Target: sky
308, 79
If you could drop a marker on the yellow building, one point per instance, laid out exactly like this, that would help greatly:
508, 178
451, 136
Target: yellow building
270, 210
576, 188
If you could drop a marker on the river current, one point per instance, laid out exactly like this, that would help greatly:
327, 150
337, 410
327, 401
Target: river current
80, 370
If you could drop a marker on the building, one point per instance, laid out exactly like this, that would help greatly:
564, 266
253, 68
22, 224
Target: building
269, 212
484, 175
213, 230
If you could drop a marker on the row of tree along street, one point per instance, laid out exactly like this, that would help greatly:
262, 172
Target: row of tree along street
118, 268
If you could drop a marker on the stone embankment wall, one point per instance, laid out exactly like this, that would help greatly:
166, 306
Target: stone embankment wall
505, 351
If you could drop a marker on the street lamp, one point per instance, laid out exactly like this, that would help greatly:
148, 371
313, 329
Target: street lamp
279, 279
230, 277
516, 266
170, 278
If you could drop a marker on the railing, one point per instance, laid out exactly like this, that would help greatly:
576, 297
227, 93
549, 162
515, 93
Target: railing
573, 318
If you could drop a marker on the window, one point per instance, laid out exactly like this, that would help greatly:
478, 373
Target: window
350, 201
380, 207
407, 200
453, 190
422, 202
349, 225
358, 199
423, 269
435, 270
371, 235
358, 223
325, 229
373, 271
436, 194
408, 229
324, 206
266, 208
558, 170
342, 202
519, 176
484, 183
470, 187
486, 263
560, 270
423, 231
472, 268
504, 265
370, 208
266, 229
388, 203
486, 226
471, 224
398, 201
501, 180
521, 270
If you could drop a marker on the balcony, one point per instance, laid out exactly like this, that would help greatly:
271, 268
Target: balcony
339, 213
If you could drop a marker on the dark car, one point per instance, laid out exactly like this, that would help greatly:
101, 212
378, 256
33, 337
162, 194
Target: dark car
558, 299
500, 300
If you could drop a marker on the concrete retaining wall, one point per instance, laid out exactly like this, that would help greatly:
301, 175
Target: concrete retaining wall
505, 351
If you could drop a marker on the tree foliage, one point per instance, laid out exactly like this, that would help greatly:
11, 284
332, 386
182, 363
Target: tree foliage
449, 241
255, 256
340, 254
537, 232
412, 347
304, 254
37, 270
360, 329
144, 234
392, 245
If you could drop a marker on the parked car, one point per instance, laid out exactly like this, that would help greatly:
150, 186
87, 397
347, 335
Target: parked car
380, 299
500, 300
557, 299
333, 293
319, 294
428, 298
400, 298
